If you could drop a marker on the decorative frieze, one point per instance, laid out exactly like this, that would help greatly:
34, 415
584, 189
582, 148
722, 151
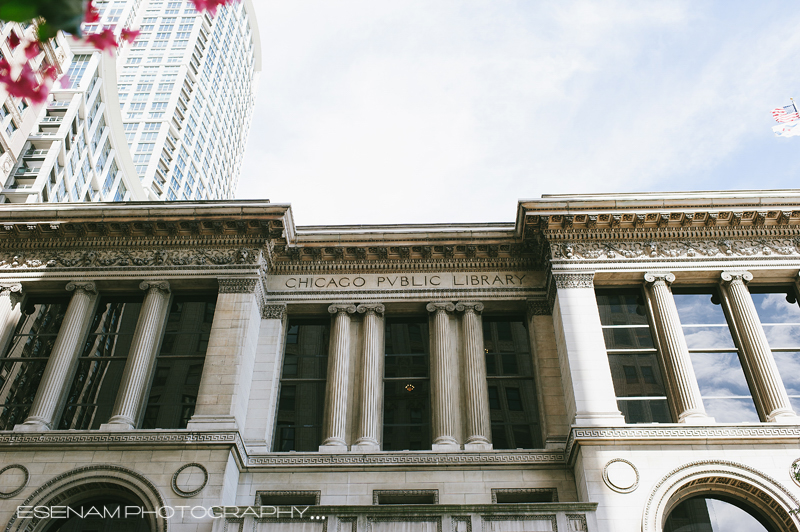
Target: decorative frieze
237, 286
675, 249
127, 258
539, 307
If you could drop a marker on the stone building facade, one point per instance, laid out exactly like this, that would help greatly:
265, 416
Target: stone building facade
604, 363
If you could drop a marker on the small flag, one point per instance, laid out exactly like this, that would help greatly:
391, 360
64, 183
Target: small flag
792, 129
785, 114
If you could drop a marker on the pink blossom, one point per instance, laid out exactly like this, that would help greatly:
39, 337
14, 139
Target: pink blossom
209, 5
92, 15
104, 40
32, 49
129, 34
25, 86
13, 39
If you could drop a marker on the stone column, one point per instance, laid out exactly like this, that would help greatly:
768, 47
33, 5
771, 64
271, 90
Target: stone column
336, 392
371, 412
62, 357
443, 381
681, 381
141, 357
10, 295
476, 389
755, 348
585, 372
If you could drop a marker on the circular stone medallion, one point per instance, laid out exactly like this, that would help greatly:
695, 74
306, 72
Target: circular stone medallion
621, 475
795, 471
189, 480
13, 478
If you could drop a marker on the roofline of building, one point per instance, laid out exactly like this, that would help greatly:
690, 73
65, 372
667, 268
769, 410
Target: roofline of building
251, 12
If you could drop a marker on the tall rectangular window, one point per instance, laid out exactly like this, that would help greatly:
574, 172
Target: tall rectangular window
715, 359
635, 367
509, 373
301, 403
780, 316
406, 385
179, 365
101, 364
23, 364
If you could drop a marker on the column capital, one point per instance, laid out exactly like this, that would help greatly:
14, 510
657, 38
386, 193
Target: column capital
274, 311
730, 277
163, 286
469, 306
440, 306
371, 308
82, 286
337, 308
6, 289
659, 277
573, 279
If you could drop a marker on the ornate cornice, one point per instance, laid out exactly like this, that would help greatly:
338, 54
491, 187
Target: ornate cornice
381, 265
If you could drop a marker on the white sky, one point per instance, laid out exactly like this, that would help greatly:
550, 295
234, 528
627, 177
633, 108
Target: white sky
412, 111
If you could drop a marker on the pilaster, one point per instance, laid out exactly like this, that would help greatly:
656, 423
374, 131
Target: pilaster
336, 392
65, 350
371, 396
585, 372
686, 401
443, 379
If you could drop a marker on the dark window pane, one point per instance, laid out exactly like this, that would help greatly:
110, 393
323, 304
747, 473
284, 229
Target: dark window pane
648, 375
25, 360
630, 375
706, 514
494, 399
406, 420
626, 379
645, 411
621, 307
301, 403
514, 399
179, 365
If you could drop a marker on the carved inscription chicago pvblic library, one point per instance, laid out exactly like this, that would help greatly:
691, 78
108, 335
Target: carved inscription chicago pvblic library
400, 281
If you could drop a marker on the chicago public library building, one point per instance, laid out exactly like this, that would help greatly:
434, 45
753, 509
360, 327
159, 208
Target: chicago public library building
603, 363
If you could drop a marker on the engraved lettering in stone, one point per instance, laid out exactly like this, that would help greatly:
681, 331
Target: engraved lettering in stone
489, 279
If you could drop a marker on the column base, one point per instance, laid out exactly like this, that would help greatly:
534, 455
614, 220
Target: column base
599, 419
697, 419
446, 447
333, 448
365, 447
116, 427
31, 426
205, 422
785, 418
477, 447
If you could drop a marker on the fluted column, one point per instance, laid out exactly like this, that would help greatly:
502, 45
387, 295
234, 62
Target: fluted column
141, 357
65, 350
10, 295
755, 348
336, 393
443, 383
687, 403
476, 389
371, 411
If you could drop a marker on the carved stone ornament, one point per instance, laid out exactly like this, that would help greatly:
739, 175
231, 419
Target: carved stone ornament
273, 312
15, 477
337, 307
659, 277
155, 285
621, 475
469, 306
12, 290
237, 286
45, 258
729, 277
377, 308
440, 306
184, 485
698, 249
86, 286
539, 307
574, 280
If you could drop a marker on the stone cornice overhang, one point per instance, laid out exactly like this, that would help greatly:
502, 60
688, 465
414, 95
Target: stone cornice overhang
680, 435
615, 232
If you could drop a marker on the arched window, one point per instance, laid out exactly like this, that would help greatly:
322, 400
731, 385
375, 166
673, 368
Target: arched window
716, 514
